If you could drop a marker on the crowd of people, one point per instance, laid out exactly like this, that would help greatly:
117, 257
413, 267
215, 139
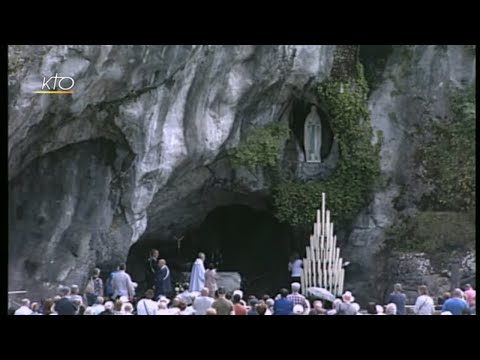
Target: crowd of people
202, 296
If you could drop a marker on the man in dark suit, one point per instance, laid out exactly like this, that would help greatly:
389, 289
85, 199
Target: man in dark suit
151, 268
64, 306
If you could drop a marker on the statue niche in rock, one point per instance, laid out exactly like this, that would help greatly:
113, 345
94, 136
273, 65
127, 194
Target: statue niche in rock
313, 136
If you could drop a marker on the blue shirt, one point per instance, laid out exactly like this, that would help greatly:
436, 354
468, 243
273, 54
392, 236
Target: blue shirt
283, 306
398, 299
455, 306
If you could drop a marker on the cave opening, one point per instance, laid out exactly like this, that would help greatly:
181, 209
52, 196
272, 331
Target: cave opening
251, 242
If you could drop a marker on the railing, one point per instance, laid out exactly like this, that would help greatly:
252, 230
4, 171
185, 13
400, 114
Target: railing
13, 302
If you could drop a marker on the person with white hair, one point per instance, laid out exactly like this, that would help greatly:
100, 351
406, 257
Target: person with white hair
127, 309
335, 305
380, 310
98, 307
89, 311
203, 302
299, 299
211, 311
456, 305
162, 308
269, 302
24, 309
108, 308
163, 282
391, 309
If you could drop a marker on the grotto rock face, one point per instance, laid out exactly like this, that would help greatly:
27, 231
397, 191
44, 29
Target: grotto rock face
412, 90
139, 142
139, 149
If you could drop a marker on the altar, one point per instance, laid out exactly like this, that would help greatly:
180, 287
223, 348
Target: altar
229, 280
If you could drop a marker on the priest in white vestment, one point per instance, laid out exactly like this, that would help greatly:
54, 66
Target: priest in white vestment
197, 277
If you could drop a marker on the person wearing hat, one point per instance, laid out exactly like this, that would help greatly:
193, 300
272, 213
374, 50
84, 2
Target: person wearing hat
298, 310
346, 307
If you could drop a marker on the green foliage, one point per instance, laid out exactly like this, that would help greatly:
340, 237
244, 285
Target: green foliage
448, 157
471, 49
374, 59
433, 232
262, 147
349, 186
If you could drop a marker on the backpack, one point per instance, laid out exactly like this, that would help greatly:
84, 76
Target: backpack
90, 288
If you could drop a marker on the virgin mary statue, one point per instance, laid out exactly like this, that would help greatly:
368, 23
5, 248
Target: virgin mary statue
313, 136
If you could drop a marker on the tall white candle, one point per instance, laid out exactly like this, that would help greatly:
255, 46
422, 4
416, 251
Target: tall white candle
319, 268
342, 278
340, 275
323, 213
302, 280
337, 274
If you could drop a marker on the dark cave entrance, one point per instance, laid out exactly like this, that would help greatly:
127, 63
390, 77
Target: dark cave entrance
252, 242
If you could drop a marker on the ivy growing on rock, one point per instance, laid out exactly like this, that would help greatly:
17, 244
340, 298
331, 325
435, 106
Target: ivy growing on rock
350, 185
262, 147
447, 158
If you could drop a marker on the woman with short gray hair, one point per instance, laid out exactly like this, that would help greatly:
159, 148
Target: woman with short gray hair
391, 309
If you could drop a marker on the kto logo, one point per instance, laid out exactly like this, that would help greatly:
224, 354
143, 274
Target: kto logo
57, 85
